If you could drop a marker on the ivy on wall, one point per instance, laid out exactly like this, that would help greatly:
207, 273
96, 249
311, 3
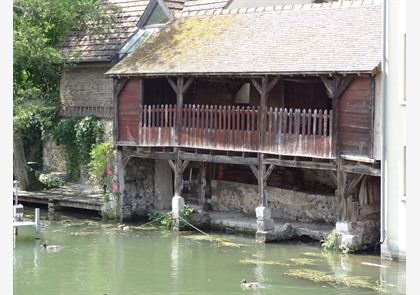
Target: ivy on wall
78, 136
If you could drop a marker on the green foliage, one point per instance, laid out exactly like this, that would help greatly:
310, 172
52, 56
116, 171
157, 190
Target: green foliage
51, 181
102, 156
165, 219
331, 241
31, 124
38, 27
78, 136
89, 132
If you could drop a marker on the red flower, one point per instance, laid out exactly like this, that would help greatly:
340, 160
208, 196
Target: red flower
114, 187
108, 171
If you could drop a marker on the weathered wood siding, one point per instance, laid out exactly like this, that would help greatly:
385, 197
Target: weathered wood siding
128, 112
288, 132
356, 119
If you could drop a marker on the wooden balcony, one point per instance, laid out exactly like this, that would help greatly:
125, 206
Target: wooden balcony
288, 132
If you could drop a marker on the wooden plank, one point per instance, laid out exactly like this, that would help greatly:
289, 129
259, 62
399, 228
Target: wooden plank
218, 159
340, 194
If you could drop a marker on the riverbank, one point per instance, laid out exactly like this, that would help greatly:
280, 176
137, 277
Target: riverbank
82, 196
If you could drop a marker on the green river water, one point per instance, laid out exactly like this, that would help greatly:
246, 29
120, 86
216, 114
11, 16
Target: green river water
97, 257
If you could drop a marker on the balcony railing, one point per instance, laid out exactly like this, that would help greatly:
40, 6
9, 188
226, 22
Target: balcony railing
288, 132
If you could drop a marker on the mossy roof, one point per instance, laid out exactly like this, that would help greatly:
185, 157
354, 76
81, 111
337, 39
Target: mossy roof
343, 37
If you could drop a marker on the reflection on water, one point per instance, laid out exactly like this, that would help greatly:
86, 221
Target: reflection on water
100, 258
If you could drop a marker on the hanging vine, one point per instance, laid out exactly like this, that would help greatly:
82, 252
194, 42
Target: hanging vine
78, 136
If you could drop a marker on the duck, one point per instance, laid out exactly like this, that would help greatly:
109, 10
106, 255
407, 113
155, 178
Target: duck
50, 247
246, 284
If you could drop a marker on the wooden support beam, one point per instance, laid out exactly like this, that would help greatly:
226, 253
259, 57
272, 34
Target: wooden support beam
340, 193
177, 175
269, 170
257, 85
173, 84
172, 164
187, 85
260, 88
121, 181
261, 182
202, 184
254, 170
301, 164
119, 85
125, 160
362, 169
151, 155
335, 87
352, 184
116, 111
184, 165
218, 158
184, 87
333, 176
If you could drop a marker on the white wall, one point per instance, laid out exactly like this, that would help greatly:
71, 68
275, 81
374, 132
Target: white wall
394, 245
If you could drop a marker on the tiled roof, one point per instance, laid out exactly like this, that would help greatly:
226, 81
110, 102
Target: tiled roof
342, 37
175, 5
200, 5
94, 48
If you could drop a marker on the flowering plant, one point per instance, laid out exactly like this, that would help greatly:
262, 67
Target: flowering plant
111, 187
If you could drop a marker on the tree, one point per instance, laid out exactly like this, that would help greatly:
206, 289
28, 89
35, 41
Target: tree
38, 27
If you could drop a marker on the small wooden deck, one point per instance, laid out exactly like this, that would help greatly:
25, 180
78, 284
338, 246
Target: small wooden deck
75, 196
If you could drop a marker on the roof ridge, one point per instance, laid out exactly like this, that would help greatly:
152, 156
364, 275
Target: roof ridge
277, 8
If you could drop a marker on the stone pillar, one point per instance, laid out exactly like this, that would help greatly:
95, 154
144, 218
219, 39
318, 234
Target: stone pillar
52, 208
177, 205
265, 225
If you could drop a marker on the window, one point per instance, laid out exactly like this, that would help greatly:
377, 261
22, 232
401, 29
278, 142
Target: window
138, 38
155, 17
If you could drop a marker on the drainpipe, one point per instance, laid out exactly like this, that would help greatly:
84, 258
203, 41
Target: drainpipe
383, 89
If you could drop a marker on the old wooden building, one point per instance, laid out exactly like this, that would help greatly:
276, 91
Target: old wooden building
247, 95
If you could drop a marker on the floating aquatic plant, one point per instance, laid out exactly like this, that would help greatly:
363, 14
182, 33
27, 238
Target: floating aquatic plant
219, 242
304, 261
254, 262
342, 280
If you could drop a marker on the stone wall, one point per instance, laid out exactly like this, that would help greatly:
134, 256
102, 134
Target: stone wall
148, 187
86, 86
284, 204
164, 188
53, 157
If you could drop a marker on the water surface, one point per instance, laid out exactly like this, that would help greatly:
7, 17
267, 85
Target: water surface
97, 257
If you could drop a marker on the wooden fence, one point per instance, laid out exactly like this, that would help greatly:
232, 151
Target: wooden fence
287, 132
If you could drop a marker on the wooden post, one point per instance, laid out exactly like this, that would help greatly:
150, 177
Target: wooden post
263, 89
177, 175
202, 187
341, 190
335, 88
180, 88
121, 181
261, 180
